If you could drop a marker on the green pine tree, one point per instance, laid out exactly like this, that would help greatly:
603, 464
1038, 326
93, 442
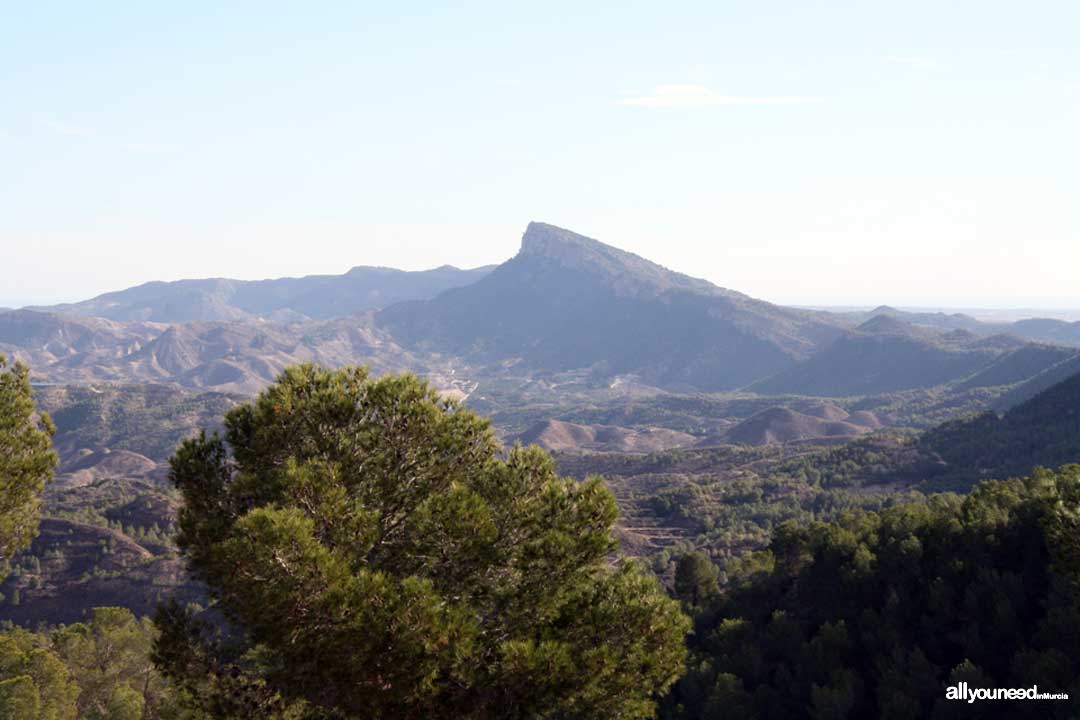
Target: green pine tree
696, 579
376, 555
27, 461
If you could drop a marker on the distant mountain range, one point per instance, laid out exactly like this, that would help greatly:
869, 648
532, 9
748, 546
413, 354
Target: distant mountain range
1045, 330
565, 304
319, 297
885, 354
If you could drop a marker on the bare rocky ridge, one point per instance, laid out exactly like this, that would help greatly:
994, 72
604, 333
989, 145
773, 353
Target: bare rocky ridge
241, 357
89, 466
556, 435
780, 425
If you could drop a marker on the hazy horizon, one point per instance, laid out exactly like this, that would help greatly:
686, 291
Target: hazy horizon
986, 312
927, 160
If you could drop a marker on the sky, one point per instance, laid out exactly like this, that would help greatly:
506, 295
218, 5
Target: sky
813, 153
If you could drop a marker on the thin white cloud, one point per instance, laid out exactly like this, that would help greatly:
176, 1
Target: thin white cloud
691, 96
68, 129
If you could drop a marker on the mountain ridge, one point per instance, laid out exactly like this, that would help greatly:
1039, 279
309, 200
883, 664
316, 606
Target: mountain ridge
567, 301
320, 297
887, 354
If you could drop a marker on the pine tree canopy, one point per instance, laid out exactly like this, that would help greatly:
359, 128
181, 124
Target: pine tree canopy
27, 461
373, 552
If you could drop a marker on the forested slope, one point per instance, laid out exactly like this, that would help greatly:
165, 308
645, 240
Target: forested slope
876, 614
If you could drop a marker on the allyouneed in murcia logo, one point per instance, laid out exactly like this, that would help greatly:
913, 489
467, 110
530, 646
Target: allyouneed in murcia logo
963, 691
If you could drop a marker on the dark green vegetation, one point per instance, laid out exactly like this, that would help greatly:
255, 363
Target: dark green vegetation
99, 669
373, 555
150, 420
727, 500
107, 533
110, 542
723, 500
875, 614
1044, 430
26, 460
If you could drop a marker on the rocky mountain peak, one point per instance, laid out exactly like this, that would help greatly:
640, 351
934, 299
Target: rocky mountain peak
584, 254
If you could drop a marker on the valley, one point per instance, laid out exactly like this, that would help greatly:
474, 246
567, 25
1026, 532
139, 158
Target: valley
713, 417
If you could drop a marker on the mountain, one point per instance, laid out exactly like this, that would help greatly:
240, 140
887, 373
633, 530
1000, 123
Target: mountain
937, 320
107, 533
781, 424
1041, 431
82, 566
98, 424
886, 354
1048, 330
567, 311
566, 301
1024, 365
319, 297
1028, 389
43, 340
559, 436
1044, 430
1041, 330
237, 356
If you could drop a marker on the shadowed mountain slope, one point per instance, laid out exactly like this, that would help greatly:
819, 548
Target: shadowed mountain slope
1043, 430
1024, 364
1038, 383
566, 301
886, 354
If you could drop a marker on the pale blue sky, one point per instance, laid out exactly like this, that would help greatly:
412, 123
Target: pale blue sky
914, 153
